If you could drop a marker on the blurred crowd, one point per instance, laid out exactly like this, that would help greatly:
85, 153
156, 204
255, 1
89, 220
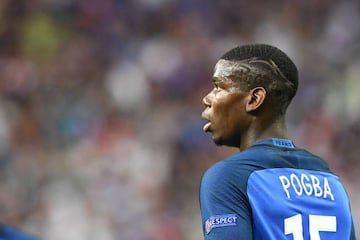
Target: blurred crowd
100, 106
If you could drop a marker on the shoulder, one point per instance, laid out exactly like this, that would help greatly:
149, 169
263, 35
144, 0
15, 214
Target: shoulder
231, 172
223, 188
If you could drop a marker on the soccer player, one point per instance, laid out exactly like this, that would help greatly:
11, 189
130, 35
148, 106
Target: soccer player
271, 189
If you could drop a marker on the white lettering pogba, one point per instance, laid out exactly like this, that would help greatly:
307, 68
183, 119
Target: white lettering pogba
306, 185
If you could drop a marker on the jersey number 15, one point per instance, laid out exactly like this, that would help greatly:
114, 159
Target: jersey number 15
317, 223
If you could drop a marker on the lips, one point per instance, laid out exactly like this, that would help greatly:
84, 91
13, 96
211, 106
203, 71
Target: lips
207, 124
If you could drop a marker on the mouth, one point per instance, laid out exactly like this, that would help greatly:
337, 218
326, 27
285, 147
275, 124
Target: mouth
206, 126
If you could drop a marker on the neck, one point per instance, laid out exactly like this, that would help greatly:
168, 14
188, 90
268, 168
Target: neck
263, 129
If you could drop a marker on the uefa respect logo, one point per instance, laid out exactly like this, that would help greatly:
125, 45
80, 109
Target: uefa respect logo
220, 221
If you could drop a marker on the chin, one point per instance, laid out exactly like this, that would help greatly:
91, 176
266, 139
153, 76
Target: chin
218, 142
230, 142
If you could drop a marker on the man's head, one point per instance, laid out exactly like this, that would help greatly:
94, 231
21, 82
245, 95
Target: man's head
251, 82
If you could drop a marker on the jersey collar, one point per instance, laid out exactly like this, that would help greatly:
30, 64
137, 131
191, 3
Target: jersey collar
278, 142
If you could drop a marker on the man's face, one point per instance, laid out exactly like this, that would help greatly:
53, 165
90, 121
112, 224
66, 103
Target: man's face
225, 106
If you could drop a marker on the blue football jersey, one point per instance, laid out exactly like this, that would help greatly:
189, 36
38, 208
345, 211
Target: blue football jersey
274, 190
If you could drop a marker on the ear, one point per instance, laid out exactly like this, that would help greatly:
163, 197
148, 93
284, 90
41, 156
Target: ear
256, 98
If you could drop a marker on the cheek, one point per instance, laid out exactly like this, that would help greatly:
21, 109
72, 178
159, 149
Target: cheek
238, 117
228, 128
229, 115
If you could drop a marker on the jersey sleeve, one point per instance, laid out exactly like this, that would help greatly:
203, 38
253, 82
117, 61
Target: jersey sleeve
225, 209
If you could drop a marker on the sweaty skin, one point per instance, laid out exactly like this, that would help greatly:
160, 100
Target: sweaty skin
225, 105
225, 68
231, 105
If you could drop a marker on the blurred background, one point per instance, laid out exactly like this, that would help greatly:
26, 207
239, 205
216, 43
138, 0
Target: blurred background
100, 128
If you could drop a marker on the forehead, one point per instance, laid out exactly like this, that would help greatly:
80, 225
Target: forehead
226, 68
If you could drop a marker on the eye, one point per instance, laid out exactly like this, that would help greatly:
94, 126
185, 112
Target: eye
216, 87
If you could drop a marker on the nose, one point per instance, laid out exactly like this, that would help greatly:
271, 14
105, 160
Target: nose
206, 101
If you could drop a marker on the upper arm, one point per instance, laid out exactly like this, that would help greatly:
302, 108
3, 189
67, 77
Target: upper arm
226, 212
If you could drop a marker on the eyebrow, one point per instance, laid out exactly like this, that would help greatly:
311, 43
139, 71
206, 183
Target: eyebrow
215, 80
